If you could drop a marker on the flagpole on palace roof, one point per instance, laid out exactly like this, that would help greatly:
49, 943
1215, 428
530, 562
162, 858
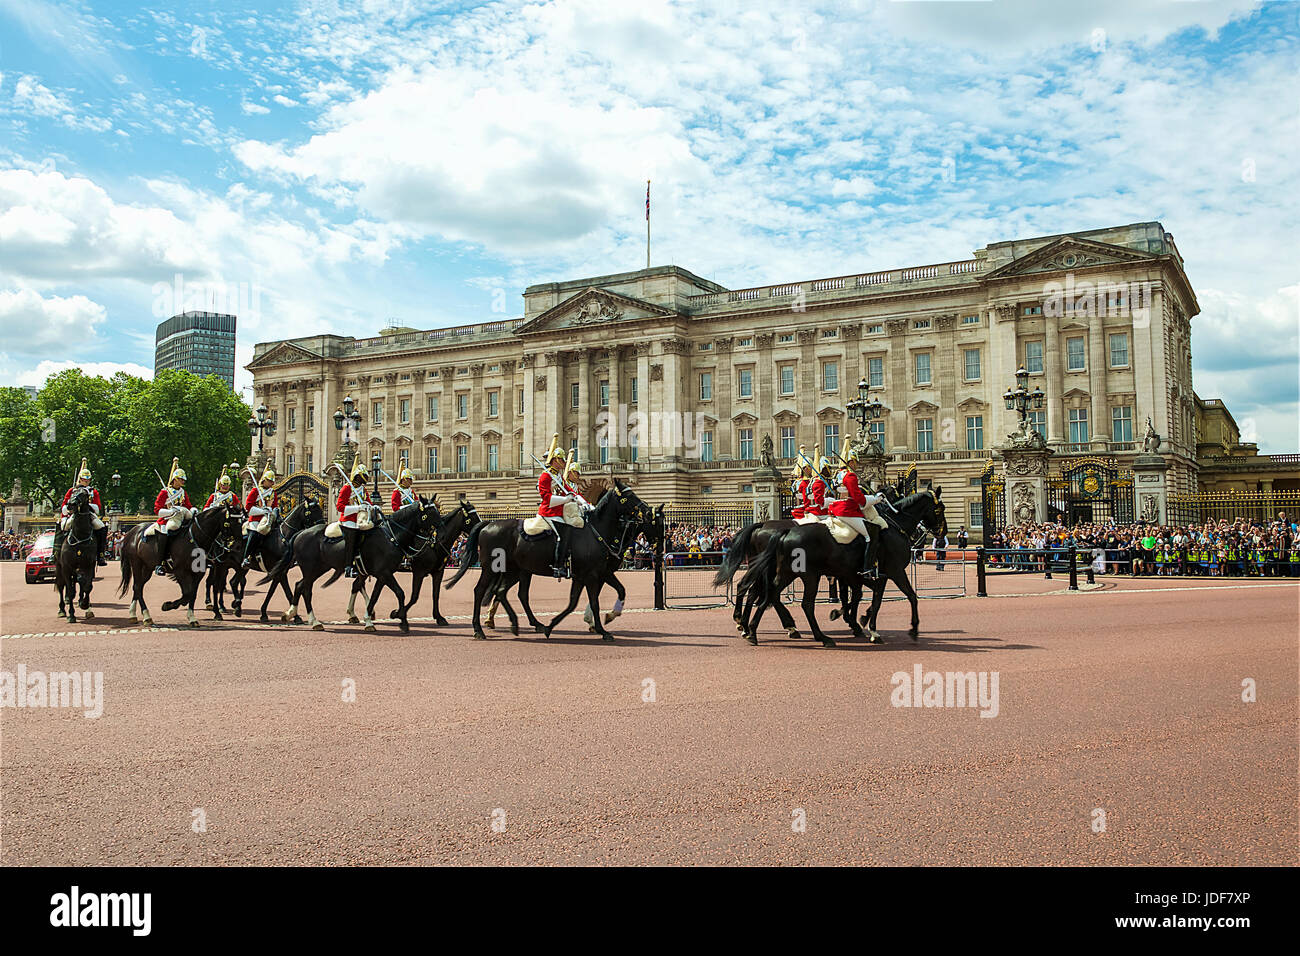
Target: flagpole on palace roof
647, 224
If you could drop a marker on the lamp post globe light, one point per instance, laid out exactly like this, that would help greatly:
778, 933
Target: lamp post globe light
117, 482
348, 421
261, 426
375, 461
1020, 399
865, 410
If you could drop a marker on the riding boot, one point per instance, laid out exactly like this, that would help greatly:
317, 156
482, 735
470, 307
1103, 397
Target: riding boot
559, 566
101, 541
350, 535
869, 556
248, 552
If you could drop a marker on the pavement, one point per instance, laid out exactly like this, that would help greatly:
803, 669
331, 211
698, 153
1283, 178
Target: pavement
1118, 735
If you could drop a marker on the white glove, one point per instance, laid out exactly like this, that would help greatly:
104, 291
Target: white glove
194, 512
875, 499
164, 512
94, 507
559, 500
352, 509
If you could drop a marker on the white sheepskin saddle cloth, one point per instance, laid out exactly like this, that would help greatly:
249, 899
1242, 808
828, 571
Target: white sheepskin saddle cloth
335, 530
572, 517
841, 531
262, 526
173, 523
807, 519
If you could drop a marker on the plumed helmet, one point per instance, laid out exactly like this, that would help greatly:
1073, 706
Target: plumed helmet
803, 461
555, 451
571, 467
359, 470
177, 473
84, 473
268, 475
405, 475
224, 482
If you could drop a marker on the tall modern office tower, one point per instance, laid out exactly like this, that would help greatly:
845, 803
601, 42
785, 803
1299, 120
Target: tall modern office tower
201, 342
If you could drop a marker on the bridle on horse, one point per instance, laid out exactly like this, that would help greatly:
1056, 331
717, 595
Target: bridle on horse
216, 549
81, 501
391, 522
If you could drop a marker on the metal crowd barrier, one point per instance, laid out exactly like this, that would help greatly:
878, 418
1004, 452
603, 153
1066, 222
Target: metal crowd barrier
688, 579
1044, 561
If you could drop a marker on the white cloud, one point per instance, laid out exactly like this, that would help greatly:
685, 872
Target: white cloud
32, 97
44, 370
37, 325
253, 109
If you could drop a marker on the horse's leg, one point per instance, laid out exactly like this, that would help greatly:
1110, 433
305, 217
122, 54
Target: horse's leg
620, 593
505, 603
593, 597
851, 591
358, 585
417, 578
87, 585
810, 607
485, 579
270, 592
900, 579
525, 583
575, 588
392, 585
436, 574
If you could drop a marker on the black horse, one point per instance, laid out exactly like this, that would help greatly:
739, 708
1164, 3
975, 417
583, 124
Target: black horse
809, 552
432, 562
188, 549
379, 551
652, 528
75, 566
306, 514
505, 553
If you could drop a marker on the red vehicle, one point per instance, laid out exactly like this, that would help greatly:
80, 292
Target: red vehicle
40, 561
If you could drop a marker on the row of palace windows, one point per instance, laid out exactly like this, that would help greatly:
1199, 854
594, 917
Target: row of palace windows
1121, 431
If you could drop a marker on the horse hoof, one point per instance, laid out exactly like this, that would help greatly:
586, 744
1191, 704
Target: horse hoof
264, 619
296, 620
318, 626
913, 635
835, 614
480, 636
514, 629
876, 638
609, 616
404, 627
216, 616
740, 627
239, 612
133, 620
541, 629
828, 643
207, 605
89, 615
794, 635
353, 619
394, 614
607, 638
370, 628
194, 623
443, 622
752, 638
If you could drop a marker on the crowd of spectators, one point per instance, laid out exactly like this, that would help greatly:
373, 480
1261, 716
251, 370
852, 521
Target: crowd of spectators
14, 546
1222, 548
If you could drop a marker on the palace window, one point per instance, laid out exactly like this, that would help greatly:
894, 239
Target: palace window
706, 445
877, 431
433, 408
494, 457
378, 413
970, 320
310, 469
925, 434
706, 346
876, 372
922, 368
875, 329
706, 386
462, 405
632, 390
746, 436
1119, 350
462, 458
632, 449
787, 441
1038, 422
830, 376
288, 463
745, 342
1033, 357
433, 460
972, 357
921, 324
403, 459
293, 419
745, 383
602, 445
831, 439
494, 400
830, 333
1078, 425
785, 338
977, 513
311, 417
574, 393
1121, 423
975, 432
1074, 354
787, 379
1032, 310
604, 393
404, 411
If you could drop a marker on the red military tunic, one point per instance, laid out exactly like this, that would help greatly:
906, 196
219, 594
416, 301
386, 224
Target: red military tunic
849, 506
815, 497
549, 485
264, 498
345, 499
398, 502
800, 489
160, 503
94, 499
230, 496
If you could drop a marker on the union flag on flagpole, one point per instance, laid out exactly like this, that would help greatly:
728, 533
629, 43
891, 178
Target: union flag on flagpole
647, 200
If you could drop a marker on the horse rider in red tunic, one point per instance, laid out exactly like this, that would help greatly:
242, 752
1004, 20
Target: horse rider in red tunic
816, 489
101, 530
855, 508
173, 508
404, 494
553, 496
799, 484
354, 506
260, 505
222, 495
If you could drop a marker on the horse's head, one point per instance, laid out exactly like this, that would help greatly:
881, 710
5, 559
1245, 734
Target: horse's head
312, 512
80, 500
933, 515
470, 513
428, 516
630, 507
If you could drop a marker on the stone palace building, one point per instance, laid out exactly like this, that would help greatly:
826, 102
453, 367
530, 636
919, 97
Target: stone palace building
676, 382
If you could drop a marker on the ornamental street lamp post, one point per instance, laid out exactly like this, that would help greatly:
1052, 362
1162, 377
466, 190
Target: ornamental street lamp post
375, 462
112, 521
1020, 399
348, 421
864, 410
262, 426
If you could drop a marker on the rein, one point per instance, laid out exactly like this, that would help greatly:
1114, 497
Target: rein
391, 521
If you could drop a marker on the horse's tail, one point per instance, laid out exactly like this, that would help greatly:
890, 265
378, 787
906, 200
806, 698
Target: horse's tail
761, 576
734, 556
467, 558
282, 566
126, 569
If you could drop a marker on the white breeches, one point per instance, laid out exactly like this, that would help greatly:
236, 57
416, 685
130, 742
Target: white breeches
857, 524
66, 523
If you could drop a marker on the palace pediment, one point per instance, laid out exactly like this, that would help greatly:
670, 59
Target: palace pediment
286, 353
594, 308
1067, 253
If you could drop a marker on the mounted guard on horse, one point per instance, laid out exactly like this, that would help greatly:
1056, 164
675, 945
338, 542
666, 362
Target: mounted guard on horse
263, 508
101, 529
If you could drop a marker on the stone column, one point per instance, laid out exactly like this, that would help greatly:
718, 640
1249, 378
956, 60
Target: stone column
671, 429
1025, 468
584, 416
1055, 391
643, 406
767, 492
1098, 427
897, 383
808, 388
551, 384
614, 418
946, 376
722, 396
1150, 488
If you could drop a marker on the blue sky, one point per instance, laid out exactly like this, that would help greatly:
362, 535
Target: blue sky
352, 165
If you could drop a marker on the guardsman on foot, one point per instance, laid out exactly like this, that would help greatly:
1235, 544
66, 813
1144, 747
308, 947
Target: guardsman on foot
101, 530
403, 494
260, 505
354, 506
554, 495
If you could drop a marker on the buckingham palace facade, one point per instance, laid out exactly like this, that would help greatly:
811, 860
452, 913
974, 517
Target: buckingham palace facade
674, 381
